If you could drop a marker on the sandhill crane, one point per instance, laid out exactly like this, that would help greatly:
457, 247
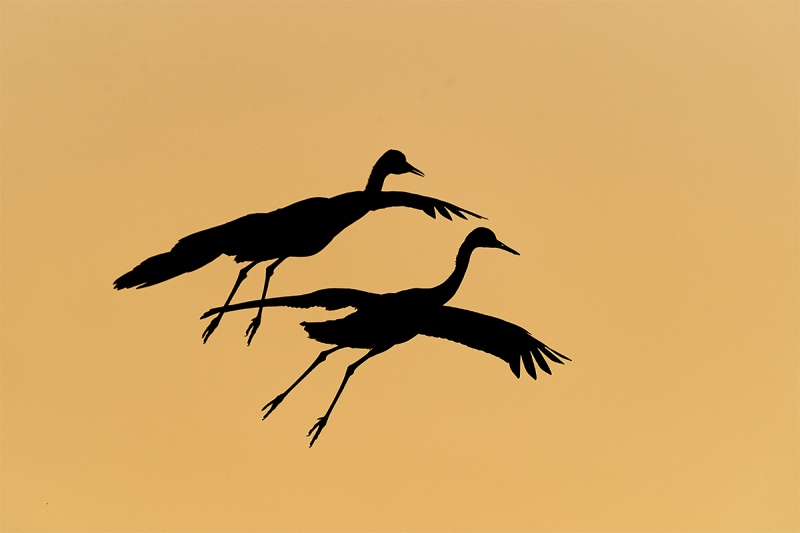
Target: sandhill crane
382, 321
301, 229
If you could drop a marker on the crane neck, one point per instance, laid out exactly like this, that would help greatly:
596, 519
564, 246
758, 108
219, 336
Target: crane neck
376, 179
448, 289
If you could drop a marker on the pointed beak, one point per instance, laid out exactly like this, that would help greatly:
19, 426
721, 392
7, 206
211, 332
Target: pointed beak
413, 170
506, 248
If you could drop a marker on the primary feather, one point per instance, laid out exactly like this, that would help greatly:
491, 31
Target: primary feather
495, 336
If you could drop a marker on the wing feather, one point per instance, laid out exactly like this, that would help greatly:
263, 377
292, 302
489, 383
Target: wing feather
330, 299
492, 335
443, 211
457, 212
425, 204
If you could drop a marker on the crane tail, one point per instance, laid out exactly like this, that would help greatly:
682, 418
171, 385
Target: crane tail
324, 332
183, 258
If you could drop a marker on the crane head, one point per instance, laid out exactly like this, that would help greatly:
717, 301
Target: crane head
485, 238
394, 162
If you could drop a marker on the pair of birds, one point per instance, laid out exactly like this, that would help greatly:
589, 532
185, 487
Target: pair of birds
380, 321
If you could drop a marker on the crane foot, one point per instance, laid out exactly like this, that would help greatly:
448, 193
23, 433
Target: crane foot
317, 429
252, 328
271, 406
211, 327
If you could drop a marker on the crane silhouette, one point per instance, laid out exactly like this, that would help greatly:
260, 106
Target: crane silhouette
301, 229
381, 321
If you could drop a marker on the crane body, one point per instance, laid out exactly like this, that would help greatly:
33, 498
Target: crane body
381, 321
301, 229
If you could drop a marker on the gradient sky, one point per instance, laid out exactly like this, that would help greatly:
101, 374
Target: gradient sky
642, 157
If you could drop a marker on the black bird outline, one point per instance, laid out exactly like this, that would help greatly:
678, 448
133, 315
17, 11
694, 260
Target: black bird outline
381, 321
301, 229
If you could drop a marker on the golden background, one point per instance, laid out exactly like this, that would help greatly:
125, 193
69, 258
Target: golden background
642, 156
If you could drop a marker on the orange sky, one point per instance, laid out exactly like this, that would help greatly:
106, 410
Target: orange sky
642, 157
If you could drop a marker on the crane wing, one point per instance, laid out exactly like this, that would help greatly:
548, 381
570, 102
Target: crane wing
330, 299
423, 203
492, 335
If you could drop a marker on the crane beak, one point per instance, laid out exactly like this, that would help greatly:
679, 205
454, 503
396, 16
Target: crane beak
413, 170
506, 248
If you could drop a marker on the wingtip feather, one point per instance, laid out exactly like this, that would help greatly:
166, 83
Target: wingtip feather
443, 211
547, 352
559, 354
529, 366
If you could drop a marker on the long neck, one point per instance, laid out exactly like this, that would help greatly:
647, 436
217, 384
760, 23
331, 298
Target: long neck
447, 290
376, 179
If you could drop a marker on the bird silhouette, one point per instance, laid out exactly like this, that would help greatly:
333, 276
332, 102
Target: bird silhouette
381, 321
301, 229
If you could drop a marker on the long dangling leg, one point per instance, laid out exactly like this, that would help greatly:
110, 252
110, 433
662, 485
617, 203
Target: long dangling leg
215, 322
317, 428
271, 406
251, 329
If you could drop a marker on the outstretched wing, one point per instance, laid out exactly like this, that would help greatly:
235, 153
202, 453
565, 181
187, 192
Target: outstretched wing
424, 203
330, 299
492, 335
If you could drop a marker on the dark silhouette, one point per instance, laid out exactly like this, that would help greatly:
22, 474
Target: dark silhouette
299, 230
385, 320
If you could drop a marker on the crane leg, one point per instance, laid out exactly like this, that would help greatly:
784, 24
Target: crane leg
253, 327
215, 322
317, 428
271, 406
